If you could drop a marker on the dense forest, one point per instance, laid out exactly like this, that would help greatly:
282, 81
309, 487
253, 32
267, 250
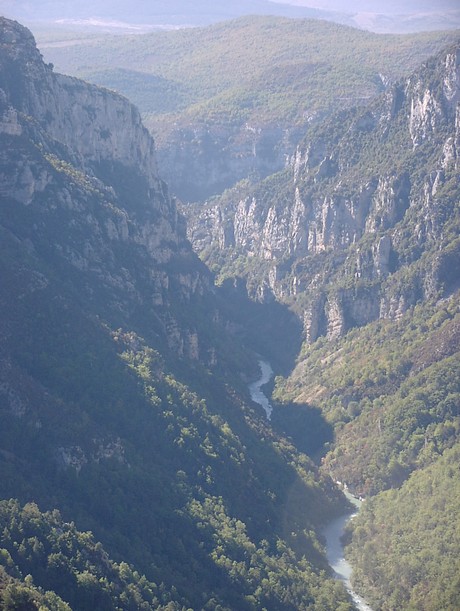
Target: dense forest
415, 566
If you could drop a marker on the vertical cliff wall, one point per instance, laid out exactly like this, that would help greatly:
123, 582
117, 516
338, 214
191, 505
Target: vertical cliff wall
370, 193
79, 184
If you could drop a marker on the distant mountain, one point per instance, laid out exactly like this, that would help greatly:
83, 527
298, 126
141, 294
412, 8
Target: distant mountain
123, 400
390, 7
100, 15
392, 15
232, 100
147, 14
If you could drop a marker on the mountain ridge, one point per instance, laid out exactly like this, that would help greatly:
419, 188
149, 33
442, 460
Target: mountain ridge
101, 15
233, 100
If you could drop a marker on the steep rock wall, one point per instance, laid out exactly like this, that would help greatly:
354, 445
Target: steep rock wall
204, 161
368, 193
79, 177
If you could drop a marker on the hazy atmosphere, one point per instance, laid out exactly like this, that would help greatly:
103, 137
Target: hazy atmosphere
229, 305
375, 15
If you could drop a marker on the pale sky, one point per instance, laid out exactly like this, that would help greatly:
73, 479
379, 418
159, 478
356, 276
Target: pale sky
377, 6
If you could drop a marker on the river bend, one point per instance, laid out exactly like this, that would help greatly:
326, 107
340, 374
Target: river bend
255, 388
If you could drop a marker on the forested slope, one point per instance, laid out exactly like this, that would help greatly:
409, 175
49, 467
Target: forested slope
123, 407
405, 544
360, 237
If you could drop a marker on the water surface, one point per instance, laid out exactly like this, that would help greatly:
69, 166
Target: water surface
257, 395
333, 534
334, 531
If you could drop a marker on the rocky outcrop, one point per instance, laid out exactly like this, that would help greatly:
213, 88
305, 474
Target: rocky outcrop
367, 194
80, 188
98, 135
307, 225
93, 124
204, 161
429, 109
75, 457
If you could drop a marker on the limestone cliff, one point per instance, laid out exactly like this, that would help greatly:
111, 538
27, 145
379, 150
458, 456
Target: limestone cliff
362, 223
80, 187
204, 160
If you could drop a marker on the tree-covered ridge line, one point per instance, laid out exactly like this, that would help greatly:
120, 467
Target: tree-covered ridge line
103, 15
255, 69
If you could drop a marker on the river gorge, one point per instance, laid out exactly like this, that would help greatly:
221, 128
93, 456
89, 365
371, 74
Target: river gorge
332, 532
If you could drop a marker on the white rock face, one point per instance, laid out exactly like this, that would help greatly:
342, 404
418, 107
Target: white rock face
389, 203
451, 83
99, 133
430, 109
246, 224
93, 123
81, 161
335, 209
303, 227
425, 114
381, 253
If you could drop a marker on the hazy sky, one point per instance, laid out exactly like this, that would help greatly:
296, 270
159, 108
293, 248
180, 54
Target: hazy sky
375, 15
378, 6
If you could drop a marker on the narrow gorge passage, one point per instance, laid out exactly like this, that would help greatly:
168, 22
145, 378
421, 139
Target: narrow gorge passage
332, 532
